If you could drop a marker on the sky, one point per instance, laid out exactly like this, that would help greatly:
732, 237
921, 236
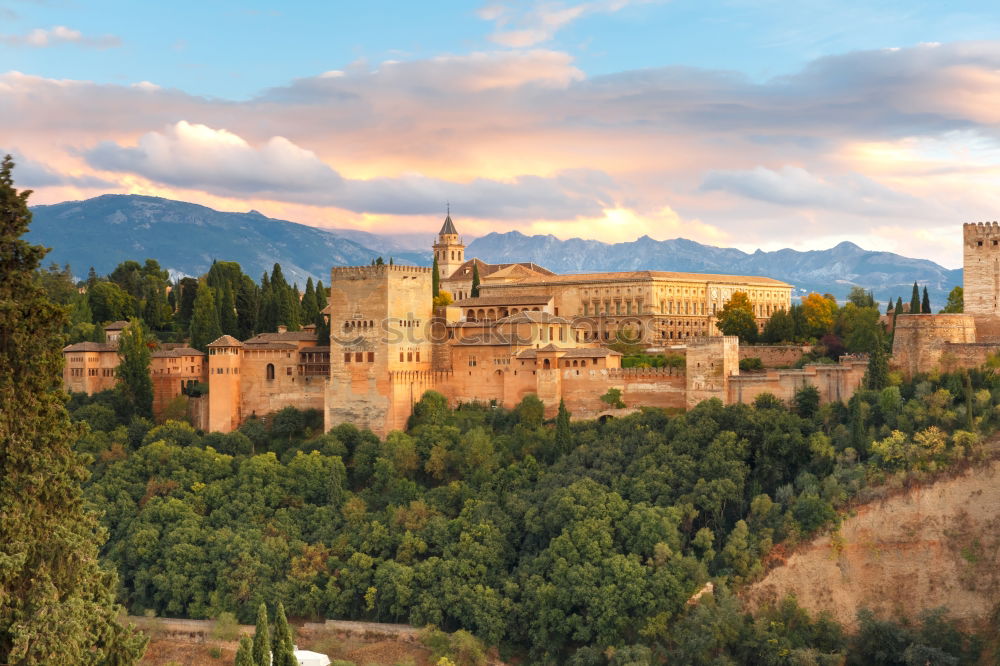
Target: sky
740, 123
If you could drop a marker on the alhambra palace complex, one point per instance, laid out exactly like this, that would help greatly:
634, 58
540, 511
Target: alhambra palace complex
528, 331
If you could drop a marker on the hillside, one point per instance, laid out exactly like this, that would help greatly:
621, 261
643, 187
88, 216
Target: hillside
933, 546
835, 270
185, 238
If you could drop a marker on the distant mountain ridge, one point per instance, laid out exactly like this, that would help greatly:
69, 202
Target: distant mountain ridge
835, 270
185, 238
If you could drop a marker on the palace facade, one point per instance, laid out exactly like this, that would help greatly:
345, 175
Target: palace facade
528, 331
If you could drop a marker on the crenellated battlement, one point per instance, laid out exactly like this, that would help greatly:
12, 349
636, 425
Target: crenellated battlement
375, 272
627, 373
424, 376
981, 230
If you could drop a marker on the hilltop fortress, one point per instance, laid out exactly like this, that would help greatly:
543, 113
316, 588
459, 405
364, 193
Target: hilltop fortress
527, 331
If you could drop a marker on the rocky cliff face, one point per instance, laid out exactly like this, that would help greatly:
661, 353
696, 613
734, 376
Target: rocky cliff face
934, 546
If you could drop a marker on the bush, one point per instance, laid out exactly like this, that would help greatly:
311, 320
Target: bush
226, 627
751, 364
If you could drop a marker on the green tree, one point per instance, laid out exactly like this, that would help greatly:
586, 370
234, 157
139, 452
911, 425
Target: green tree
613, 398
474, 292
925, 304
956, 301
57, 605
284, 646
435, 279
188, 288
262, 639
737, 318
205, 327
135, 386
779, 328
861, 298
228, 322
807, 401
878, 366
915, 300
244, 655
564, 433
109, 302
898, 310
309, 308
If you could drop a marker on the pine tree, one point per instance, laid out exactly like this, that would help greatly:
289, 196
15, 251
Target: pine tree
915, 300
564, 434
135, 387
284, 648
57, 605
474, 292
244, 655
925, 304
91, 277
435, 279
262, 639
205, 327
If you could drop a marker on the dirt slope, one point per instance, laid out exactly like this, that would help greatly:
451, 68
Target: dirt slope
934, 546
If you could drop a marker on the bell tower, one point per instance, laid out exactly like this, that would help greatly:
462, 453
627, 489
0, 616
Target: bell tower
449, 249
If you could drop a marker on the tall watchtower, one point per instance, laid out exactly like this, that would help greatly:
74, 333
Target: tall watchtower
380, 322
449, 249
982, 268
225, 356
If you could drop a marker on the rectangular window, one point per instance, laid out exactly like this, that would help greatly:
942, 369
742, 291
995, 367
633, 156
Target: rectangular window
288, 371
409, 357
347, 357
371, 357
359, 357
400, 357
418, 357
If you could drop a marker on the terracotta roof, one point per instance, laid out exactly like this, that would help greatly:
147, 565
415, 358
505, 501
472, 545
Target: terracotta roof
226, 341
464, 271
532, 317
91, 347
571, 352
530, 299
116, 325
287, 336
263, 344
649, 275
175, 352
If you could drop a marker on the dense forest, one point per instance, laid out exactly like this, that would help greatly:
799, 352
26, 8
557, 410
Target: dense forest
561, 542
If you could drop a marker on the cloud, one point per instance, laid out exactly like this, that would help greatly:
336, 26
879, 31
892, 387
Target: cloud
522, 137
524, 24
796, 187
32, 174
199, 157
60, 34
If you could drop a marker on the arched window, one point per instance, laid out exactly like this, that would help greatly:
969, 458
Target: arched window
545, 364
270, 370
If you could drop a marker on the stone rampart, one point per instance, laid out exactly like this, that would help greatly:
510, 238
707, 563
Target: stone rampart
834, 382
920, 339
774, 356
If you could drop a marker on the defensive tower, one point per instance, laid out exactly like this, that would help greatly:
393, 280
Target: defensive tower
982, 268
380, 319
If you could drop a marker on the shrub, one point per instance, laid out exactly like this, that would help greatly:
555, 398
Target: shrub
751, 364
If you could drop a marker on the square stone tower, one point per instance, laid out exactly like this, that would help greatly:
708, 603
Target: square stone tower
380, 323
982, 268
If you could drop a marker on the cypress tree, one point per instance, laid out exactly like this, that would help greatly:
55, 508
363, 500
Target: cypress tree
135, 387
474, 292
267, 319
322, 327
888, 308
227, 317
247, 307
309, 309
925, 305
284, 648
915, 300
262, 639
896, 311
244, 655
878, 367
564, 434
970, 419
185, 306
205, 327
57, 605
435, 279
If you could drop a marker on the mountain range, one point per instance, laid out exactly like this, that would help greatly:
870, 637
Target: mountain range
185, 238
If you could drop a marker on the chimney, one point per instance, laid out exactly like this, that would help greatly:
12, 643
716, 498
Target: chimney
282, 328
